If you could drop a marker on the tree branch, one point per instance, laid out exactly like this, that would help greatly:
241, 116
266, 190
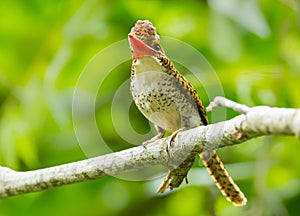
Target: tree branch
170, 151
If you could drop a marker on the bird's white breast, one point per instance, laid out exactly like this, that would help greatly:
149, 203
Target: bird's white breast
159, 98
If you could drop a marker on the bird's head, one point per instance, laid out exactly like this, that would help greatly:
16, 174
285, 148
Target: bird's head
143, 40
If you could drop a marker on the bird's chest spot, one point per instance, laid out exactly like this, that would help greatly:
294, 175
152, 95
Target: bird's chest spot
164, 104
153, 90
160, 109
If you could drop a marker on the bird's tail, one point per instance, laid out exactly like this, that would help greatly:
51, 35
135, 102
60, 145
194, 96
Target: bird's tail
225, 183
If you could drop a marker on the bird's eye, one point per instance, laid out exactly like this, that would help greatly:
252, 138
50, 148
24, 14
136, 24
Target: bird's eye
157, 47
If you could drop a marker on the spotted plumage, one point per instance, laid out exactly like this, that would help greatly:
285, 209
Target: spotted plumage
169, 101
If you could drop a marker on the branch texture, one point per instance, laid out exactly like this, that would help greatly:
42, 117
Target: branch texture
170, 151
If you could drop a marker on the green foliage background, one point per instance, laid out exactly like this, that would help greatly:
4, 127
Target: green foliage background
254, 47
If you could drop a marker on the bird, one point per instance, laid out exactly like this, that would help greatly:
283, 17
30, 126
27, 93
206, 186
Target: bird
168, 100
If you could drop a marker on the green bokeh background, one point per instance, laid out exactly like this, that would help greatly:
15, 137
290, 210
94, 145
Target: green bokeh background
254, 47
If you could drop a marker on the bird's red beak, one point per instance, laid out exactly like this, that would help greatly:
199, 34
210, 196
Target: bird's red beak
139, 48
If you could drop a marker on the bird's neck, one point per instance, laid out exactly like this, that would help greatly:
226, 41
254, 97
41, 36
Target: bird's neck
147, 64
